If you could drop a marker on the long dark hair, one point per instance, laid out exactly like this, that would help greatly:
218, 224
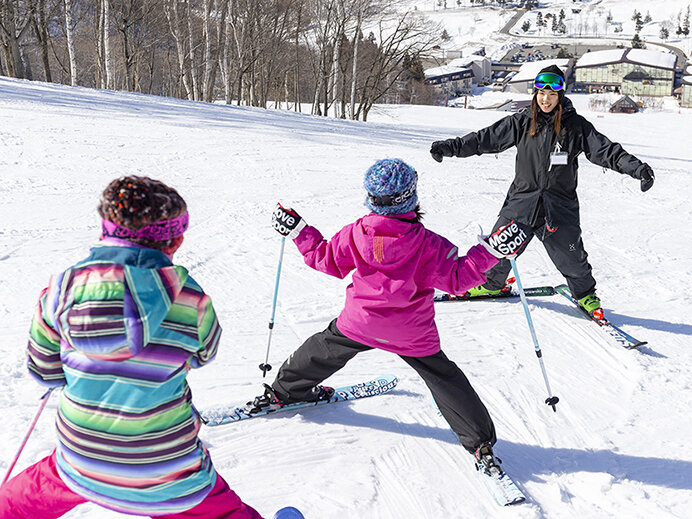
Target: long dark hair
534, 114
415, 219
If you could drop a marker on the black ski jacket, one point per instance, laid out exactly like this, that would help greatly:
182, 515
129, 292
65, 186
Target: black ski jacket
541, 193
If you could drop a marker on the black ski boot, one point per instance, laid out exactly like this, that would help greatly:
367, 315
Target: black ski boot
267, 401
321, 393
487, 461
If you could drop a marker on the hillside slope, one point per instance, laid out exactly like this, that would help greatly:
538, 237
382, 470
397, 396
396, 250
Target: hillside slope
618, 445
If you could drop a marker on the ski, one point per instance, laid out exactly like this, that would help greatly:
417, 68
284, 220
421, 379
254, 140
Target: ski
502, 487
621, 337
505, 294
227, 414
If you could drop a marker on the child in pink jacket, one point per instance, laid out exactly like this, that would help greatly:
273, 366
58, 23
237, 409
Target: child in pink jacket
397, 263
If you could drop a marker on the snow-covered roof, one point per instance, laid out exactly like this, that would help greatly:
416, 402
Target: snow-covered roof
444, 70
652, 58
646, 57
466, 60
469, 51
530, 69
600, 57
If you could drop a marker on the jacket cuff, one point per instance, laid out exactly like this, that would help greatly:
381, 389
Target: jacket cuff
307, 239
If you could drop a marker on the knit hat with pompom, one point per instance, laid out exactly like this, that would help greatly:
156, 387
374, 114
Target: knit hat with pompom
391, 187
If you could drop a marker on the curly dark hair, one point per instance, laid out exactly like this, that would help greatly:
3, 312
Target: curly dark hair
134, 202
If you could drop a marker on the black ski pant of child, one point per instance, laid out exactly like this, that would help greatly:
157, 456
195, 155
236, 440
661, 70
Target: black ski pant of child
565, 249
327, 352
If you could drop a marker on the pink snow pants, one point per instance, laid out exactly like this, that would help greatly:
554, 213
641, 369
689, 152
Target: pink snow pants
39, 493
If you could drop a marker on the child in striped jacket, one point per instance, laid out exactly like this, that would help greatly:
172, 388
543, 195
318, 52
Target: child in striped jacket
119, 330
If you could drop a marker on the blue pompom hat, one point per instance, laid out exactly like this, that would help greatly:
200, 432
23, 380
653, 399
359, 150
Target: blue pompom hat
391, 187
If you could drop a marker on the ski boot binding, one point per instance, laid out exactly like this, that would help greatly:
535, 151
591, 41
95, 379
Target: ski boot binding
487, 462
267, 401
591, 304
321, 393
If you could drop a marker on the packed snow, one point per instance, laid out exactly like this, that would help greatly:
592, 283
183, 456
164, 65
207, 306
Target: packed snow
618, 445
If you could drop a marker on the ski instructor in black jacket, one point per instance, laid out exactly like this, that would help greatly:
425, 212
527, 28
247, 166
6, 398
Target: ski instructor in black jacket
543, 196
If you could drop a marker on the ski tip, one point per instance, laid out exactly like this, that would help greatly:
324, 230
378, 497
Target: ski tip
289, 513
515, 501
636, 345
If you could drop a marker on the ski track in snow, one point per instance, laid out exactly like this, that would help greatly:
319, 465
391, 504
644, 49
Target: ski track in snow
616, 447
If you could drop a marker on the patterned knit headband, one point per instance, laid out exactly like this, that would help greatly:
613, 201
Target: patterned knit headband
162, 230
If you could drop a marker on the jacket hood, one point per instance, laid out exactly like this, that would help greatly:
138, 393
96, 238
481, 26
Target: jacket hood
117, 299
567, 107
388, 241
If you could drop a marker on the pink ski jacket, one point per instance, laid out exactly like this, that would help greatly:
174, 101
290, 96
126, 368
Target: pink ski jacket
398, 264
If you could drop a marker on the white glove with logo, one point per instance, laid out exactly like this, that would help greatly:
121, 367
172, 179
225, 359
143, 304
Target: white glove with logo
506, 242
287, 222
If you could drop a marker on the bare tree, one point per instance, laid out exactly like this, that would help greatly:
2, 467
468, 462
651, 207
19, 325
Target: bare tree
360, 10
69, 32
104, 33
177, 29
406, 36
15, 20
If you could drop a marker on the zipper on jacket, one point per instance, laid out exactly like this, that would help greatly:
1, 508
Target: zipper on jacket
547, 146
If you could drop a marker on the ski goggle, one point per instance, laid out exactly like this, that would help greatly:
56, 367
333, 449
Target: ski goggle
549, 80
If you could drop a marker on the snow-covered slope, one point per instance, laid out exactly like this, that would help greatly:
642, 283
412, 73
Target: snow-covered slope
618, 445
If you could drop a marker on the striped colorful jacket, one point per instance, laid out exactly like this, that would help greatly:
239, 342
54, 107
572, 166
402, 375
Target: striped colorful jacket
119, 330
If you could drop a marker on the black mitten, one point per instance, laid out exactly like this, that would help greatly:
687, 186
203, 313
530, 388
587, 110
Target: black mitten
440, 149
646, 174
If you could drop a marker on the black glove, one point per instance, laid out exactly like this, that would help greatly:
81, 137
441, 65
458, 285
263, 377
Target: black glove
440, 149
287, 222
646, 174
506, 242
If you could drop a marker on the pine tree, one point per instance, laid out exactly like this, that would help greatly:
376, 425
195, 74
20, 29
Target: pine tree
638, 23
637, 43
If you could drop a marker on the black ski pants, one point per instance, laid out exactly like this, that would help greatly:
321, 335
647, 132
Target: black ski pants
327, 352
565, 249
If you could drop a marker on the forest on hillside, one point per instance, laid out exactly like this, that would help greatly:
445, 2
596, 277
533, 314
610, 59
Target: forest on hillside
341, 56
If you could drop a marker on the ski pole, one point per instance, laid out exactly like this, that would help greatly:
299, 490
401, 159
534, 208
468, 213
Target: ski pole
265, 366
44, 398
551, 400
